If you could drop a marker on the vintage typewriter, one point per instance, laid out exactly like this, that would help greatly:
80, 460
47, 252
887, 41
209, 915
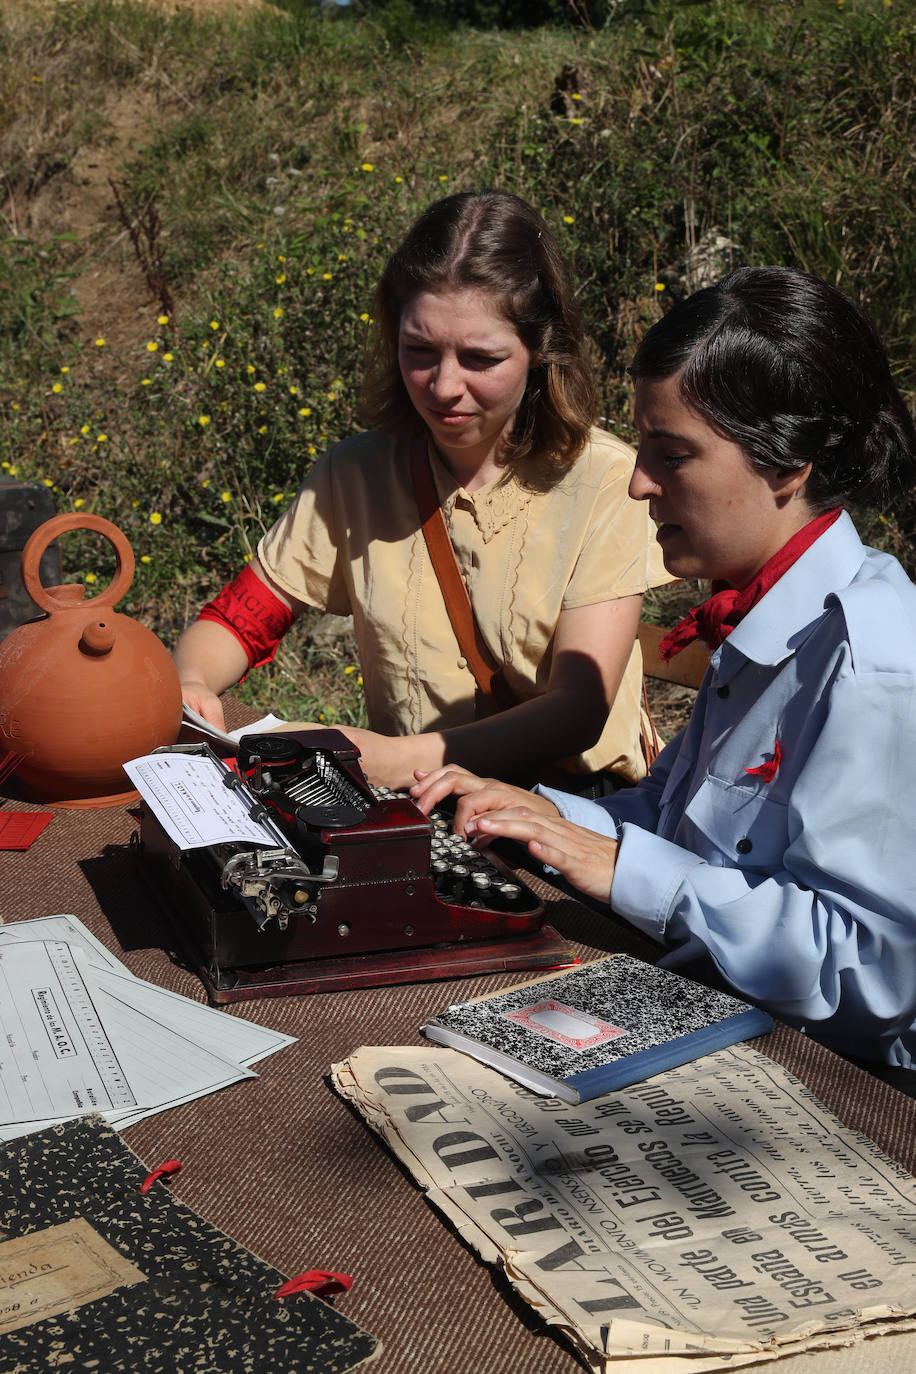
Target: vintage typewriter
357, 886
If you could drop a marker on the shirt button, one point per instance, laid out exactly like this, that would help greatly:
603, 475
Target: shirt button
722, 691
744, 846
462, 662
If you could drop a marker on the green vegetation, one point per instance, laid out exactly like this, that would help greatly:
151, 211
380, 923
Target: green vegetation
275, 157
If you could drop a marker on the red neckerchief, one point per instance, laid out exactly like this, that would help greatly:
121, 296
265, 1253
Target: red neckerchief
714, 621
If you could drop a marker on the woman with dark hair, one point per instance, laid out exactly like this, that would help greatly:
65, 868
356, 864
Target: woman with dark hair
771, 846
482, 402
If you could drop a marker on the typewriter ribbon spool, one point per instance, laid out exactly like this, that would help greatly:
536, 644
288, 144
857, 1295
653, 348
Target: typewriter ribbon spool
83, 689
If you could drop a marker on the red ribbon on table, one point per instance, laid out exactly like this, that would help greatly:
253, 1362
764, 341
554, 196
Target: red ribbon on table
324, 1283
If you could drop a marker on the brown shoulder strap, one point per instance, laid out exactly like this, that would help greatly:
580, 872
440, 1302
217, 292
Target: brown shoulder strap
454, 592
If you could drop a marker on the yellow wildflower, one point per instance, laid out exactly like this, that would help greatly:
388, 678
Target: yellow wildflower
306, 410
57, 388
214, 324
167, 357
145, 381
152, 346
100, 343
368, 167
225, 496
162, 319
91, 577
220, 362
260, 386
278, 311
659, 286
280, 279
101, 438
78, 503
145, 558
155, 518
203, 420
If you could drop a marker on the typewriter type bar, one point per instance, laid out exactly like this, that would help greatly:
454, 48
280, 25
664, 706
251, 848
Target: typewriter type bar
360, 888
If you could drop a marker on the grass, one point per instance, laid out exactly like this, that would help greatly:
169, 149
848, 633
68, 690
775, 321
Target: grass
277, 156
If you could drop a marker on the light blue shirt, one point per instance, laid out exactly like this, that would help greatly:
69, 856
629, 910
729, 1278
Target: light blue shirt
800, 891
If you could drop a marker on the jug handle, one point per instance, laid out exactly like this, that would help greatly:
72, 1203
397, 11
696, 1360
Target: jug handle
60, 524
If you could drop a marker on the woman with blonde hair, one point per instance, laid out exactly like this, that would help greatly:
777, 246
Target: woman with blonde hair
484, 475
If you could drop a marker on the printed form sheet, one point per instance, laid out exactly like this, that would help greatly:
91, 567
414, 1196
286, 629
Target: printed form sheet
79, 1033
192, 803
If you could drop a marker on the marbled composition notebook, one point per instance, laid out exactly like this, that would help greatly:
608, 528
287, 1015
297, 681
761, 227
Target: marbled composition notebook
597, 1027
95, 1275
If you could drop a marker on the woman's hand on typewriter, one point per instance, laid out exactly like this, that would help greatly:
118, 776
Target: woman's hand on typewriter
584, 858
476, 796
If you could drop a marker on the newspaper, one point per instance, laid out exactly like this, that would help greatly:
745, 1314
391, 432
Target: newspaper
714, 1216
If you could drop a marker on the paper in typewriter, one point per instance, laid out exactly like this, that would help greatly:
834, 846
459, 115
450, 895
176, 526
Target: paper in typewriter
714, 1216
189, 799
96, 1275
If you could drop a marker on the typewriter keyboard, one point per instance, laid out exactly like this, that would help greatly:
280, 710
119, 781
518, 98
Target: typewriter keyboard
460, 873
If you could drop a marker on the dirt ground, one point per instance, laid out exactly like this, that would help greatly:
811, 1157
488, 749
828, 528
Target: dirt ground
109, 284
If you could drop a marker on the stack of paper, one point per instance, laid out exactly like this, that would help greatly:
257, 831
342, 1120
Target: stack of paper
79, 1033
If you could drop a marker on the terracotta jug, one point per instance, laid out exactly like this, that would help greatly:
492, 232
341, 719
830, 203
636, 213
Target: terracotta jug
83, 689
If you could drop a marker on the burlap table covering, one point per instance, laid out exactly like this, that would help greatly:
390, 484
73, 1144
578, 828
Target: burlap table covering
289, 1170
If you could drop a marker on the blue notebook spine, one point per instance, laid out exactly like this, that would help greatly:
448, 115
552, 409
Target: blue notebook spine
634, 1068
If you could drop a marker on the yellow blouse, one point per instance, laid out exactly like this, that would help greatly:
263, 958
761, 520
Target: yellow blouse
350, 543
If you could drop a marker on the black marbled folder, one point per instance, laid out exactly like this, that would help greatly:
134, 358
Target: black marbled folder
596, 1028
95, 1275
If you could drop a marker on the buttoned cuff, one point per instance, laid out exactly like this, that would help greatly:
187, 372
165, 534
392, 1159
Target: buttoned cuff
648, 875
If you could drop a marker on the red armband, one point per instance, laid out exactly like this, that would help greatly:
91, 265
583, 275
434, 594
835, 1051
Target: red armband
251, 611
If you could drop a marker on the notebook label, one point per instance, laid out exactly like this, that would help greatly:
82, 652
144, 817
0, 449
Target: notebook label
55, 1270
577, 1030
